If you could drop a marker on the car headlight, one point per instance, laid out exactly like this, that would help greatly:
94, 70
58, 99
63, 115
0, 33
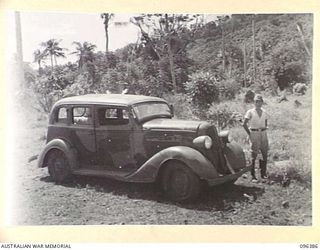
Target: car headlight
203, 141
207, 142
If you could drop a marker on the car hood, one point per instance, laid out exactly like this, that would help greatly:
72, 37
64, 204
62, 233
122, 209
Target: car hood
172, 124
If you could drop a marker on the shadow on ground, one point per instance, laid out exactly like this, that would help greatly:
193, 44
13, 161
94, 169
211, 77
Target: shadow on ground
224, 197
219, 198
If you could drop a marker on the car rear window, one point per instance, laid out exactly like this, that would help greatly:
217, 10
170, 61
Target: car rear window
62, 115
82, 116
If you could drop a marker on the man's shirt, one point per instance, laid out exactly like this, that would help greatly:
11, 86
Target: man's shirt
255, 121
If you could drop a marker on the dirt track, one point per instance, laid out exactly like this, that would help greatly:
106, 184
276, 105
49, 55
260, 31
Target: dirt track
92, 201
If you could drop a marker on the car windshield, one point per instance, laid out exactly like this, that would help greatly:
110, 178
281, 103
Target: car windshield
151, 109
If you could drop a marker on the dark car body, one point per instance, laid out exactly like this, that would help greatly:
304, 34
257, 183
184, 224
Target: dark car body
135, 138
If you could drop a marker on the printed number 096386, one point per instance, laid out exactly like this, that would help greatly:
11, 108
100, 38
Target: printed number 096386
309, 246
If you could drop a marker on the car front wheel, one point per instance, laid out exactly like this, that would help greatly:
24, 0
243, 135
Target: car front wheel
180, 183
58, 166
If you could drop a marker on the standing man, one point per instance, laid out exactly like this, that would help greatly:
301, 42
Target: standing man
257, 131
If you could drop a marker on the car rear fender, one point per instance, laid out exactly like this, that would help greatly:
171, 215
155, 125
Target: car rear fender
62, 145
192, 158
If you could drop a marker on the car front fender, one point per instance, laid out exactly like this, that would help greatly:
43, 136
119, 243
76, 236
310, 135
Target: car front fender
62, 145
235, 155
190, 157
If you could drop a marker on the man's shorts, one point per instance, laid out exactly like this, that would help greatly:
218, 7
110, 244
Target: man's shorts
259, 142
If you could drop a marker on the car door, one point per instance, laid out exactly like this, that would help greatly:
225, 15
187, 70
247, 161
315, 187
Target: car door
82, 133
114, 138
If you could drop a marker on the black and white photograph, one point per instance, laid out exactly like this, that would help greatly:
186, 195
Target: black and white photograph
160, 118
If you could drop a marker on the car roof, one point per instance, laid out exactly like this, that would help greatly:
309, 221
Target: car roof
114, 99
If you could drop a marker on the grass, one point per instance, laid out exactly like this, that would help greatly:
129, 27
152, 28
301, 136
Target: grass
290, 137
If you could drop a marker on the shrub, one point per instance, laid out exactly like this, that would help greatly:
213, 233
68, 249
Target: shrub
202, 89
150, 86
47, 91
81, 86
182, 107
226, 114
229, 88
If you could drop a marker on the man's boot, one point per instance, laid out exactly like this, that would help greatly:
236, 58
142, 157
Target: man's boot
263, 169
253, 172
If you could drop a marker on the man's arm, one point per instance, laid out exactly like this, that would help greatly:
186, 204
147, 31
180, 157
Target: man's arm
245, 125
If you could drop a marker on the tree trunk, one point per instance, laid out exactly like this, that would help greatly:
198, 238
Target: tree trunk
245, 64
107, 17
171, 61
51, 59
299, 27
223, 50
107, 38
254, 49
19, 50
39, 66
230, 72
230, 56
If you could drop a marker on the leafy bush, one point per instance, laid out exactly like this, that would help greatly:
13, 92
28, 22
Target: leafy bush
151, 86
110, 81
183, 109
81, 86
225, 115
229, 88
47, 91
202, 89
290, 64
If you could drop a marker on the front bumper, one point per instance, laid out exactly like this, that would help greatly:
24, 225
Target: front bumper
227, 178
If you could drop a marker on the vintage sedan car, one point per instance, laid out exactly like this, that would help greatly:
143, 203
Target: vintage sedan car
135, 138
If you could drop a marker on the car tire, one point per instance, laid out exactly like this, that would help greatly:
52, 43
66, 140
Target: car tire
179, 183
58, 166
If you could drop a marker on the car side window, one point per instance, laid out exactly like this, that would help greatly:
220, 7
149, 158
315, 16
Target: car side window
62, 115
112, 116
82, 116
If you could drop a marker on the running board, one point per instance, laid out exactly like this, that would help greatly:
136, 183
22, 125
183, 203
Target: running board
117, 175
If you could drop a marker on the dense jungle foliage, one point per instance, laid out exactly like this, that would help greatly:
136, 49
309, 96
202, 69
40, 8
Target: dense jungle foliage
182, 58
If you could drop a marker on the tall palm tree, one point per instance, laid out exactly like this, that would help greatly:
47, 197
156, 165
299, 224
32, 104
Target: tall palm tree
107, 17
52, 49
84, 52
38, 58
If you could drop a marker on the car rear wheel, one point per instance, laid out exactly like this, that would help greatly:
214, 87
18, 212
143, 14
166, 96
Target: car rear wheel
58, 166
180, 183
